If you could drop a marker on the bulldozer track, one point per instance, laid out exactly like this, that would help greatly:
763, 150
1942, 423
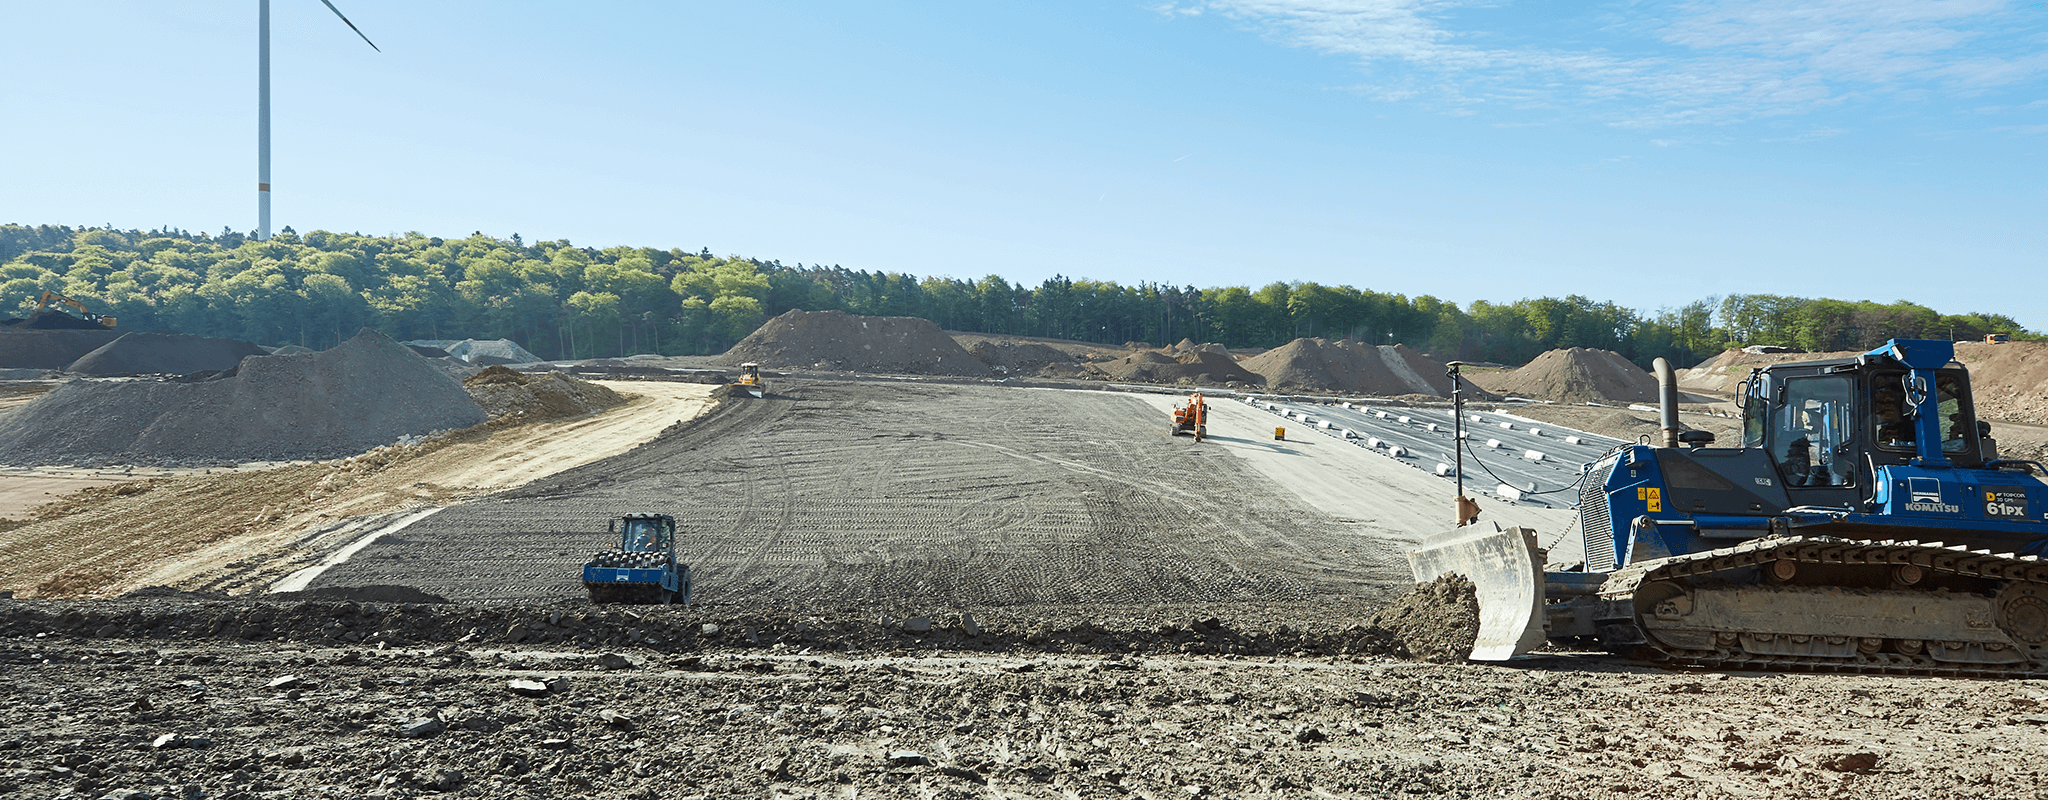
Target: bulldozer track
1821, 550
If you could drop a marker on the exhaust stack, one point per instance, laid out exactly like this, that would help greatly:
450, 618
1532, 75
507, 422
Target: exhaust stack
1667, 401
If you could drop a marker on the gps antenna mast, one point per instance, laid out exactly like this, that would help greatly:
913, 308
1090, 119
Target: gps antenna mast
1467, 510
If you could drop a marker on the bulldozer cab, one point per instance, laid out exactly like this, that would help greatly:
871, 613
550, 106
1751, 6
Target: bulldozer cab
649, 534
1829, 424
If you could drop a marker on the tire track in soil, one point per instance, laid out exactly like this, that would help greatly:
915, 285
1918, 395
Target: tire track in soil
871, 493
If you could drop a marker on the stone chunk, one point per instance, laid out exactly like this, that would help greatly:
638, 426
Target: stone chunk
527, 688
426, 728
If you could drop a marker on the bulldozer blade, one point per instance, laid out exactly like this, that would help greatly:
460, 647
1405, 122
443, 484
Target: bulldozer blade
1504, 567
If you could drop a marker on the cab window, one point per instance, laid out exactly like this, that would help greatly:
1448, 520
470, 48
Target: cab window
645, 535
1811, 434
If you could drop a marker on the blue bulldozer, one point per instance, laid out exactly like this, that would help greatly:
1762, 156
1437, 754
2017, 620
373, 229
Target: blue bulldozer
643, 567
1864, 523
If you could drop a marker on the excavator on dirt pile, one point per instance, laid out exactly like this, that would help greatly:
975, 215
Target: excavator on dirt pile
750, 380
643, 569
48, 297
1865, 523
1191, 418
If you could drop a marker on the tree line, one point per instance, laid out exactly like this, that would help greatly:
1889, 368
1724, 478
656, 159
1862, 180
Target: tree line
562, 301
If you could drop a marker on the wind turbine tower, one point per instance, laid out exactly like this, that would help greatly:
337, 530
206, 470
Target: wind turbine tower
263, 107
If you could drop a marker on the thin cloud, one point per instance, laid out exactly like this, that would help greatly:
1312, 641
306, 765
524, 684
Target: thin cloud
1715, 61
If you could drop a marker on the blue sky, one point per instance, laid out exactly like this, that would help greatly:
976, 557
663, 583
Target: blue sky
1649, 154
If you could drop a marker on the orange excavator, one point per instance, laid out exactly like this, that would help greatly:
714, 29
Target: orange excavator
1192, 418
43, 304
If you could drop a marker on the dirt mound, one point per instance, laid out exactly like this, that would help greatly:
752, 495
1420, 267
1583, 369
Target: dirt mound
1438, 622
1025, 358
1350, 367
53, 321
838, 340
1577, 375
2010, 380
1198, 367
172, 353
24, 348
505, 393
1723, 373
294, 350
367, 392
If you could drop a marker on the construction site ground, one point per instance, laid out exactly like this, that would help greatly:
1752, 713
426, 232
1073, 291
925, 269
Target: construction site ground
905, 588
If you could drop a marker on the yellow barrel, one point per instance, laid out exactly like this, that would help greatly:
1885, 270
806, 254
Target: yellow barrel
1279, 433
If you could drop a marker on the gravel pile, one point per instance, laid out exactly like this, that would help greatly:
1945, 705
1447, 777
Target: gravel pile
479, 352
29, 348
1350, 367
367, 392
1577, 375
841, 341
155, 353
505, 393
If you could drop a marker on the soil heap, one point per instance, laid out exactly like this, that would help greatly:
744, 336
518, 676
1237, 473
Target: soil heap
505, 393
1438, 622
1198, 367
153, 353
842, 341
1009, 357
2009, 380
1577, 375
31, 348
1350, 367
369, 391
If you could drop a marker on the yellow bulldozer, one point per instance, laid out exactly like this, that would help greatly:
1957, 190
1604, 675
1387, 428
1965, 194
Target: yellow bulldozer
750, 380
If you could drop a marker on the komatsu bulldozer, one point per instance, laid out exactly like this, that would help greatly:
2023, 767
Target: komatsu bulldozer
1864, 523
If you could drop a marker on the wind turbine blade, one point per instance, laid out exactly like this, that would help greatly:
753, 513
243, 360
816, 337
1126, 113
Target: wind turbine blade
351, 26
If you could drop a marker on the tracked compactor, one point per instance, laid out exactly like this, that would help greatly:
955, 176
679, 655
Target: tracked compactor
1864, 523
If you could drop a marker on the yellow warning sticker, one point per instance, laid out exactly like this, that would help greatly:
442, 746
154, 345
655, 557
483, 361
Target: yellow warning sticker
1649, 495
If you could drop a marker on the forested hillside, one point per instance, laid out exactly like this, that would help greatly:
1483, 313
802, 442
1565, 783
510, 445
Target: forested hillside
563, 301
